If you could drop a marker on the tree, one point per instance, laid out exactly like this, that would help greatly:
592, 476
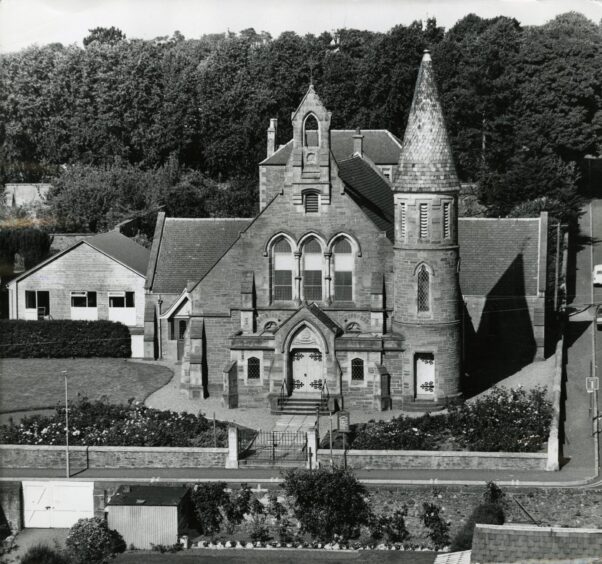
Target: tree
327, 502
104, 35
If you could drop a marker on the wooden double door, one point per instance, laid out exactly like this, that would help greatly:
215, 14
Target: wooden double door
307, 371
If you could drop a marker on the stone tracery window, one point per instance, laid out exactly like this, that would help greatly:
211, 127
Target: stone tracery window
423, 293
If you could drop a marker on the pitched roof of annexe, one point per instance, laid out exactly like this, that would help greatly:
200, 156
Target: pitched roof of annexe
380, 145
112, 244
189, 248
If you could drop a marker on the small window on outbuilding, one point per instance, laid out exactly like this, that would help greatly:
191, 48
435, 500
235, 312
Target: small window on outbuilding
357, 370
253, 368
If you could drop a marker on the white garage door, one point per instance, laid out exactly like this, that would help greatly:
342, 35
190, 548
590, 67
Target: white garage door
56, 504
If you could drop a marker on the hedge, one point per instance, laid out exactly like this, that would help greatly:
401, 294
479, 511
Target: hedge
63, 338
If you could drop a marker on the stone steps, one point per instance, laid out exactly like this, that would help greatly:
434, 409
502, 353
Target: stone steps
302, 406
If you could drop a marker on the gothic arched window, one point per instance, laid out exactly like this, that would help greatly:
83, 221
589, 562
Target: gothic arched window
311, 131
357, 370
312, 270
424, 289
343, 271
282, 270
253, 368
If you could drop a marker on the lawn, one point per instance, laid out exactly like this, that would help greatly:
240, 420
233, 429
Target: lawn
34, 383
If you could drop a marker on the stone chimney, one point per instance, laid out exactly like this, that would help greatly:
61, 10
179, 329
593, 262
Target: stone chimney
272, 130
358, 143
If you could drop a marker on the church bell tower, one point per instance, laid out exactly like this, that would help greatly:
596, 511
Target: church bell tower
427, 290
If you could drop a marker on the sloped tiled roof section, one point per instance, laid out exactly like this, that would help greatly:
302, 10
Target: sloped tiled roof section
426, 163
122, 249
499, 257
190, 247
370, 191
379, 145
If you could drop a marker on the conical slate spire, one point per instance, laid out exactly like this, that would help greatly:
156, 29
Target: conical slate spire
426, 163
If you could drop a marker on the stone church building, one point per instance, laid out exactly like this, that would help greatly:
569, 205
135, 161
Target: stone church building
348, 286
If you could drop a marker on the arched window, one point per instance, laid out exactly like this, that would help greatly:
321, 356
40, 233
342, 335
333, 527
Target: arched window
253, 368
357, 370
270, 327
343, 271
282, 270
353, 327
312, 270
424, 290
311, 135
312, 202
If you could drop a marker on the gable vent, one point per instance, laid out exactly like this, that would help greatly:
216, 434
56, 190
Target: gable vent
312, 203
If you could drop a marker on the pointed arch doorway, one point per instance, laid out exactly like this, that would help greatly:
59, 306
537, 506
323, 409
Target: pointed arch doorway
306, 364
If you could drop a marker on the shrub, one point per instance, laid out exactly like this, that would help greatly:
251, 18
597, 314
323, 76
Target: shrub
63, 338
493, 493
91, 540
514, 420
208, 498
438, 527
395, 526
42, 554
401, 433
98, 423
327, 502
486, 513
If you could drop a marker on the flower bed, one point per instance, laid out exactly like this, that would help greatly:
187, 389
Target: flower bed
98, 423
504, 420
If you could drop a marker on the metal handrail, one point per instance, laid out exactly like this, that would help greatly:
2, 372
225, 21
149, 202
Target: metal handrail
283, 394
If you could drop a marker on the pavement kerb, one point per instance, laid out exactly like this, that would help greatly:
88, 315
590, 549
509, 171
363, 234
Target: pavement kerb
367, 481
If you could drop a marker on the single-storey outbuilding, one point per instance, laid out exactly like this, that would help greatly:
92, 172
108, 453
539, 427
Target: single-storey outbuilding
95, 279
147, 515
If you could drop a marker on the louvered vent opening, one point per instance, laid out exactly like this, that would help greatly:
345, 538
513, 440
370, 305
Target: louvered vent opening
424, 221
402, 222
446, 221
312, 203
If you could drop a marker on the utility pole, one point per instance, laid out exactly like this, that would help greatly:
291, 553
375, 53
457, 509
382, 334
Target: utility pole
64, 372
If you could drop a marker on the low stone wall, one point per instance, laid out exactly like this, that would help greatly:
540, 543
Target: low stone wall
26, 456
518, 543
432, 460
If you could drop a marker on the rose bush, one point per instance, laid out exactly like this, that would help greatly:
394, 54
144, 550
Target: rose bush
98, 423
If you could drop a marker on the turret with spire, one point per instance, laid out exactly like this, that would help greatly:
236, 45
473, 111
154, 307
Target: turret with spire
427, 291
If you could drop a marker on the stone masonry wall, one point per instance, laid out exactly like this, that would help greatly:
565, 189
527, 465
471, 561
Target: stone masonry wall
516, 543
432, 460
16, 456
10, 502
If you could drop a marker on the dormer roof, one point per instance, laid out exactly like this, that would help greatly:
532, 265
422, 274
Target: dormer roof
426, 163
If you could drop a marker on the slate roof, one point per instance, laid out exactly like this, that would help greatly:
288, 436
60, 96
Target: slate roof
149, 496
426, 163
370, 190
499, 257
188, 249
122, 249
113, 244
379, 145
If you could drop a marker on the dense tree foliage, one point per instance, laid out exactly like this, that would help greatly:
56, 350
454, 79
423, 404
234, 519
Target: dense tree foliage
523, 106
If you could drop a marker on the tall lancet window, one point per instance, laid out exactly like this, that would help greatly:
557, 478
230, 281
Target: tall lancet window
343, 271
282, 271
424, 290
311, 132
312, 271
